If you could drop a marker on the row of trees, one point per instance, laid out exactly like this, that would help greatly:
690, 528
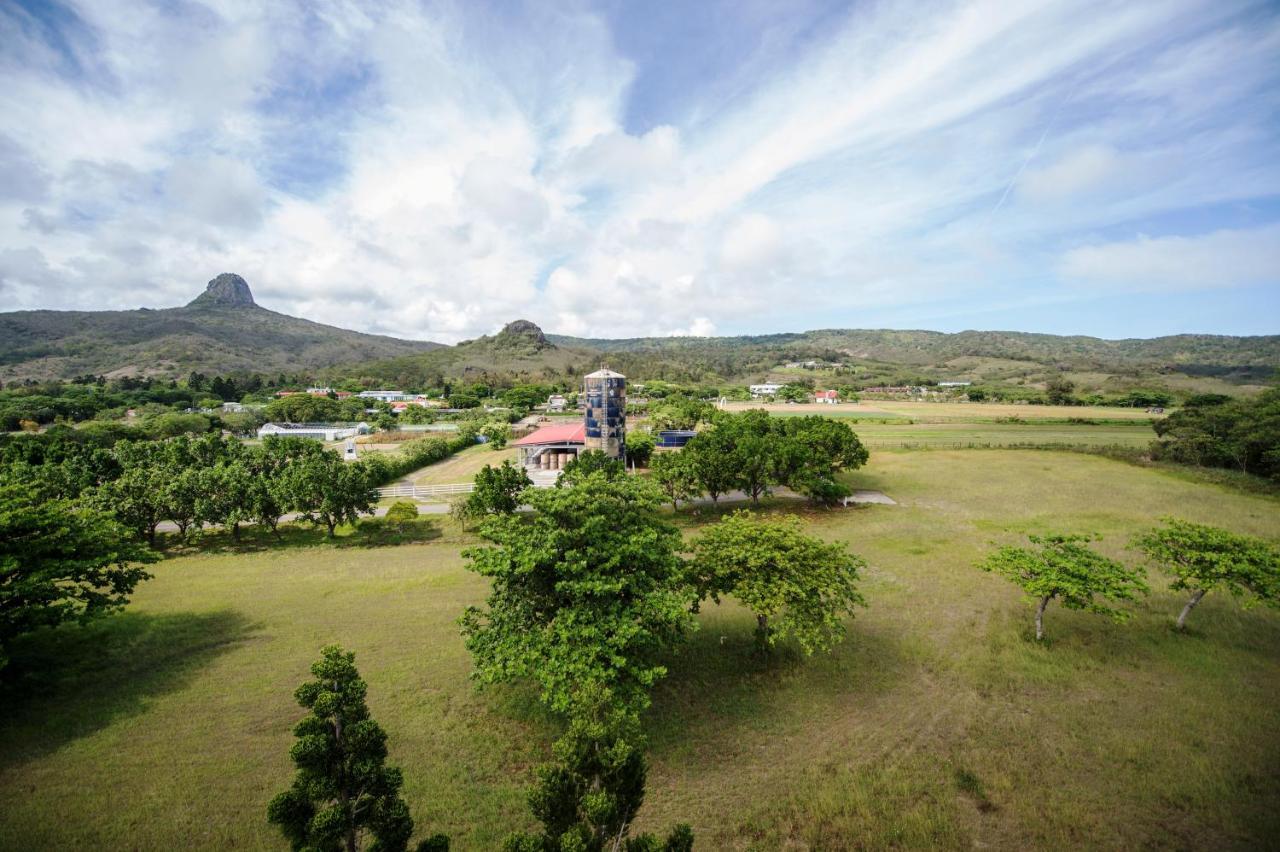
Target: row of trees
1215, 431
753, 452
1200, 558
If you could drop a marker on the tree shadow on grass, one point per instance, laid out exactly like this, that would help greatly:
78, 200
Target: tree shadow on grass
717, 683
368, 533
66, 683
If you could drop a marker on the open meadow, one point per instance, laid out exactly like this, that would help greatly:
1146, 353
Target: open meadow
936, 722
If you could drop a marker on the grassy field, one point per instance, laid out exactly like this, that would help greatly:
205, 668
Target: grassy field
461, 467
924, 425
941, 412
936, 723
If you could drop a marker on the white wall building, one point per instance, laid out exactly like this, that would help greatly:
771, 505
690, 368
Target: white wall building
314, 431
766, 389
385, 395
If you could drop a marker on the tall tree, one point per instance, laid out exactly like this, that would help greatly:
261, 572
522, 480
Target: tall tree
675, 476
586, 594
1065, 568
497, 490
343, 789
326, 490
588, 462
588, 798
1202, 558
795, 584
59, 563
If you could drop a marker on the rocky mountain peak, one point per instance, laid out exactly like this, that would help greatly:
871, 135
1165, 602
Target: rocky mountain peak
227, 290
524, 328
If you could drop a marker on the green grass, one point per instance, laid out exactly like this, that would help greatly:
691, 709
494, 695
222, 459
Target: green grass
938, 722
461, 467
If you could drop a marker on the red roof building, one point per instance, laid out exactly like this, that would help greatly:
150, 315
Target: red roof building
829, 397
551, 447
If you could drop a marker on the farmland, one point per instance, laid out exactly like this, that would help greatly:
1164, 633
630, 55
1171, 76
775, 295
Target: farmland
936, 722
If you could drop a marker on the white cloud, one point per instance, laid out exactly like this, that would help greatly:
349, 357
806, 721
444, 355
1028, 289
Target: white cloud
420, 171
1227, 258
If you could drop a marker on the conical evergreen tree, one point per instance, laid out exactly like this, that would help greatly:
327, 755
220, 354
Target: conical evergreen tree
343, 790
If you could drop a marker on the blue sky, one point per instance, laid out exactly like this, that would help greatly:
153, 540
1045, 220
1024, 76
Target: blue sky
433, 170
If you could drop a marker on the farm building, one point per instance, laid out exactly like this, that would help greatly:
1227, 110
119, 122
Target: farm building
765, 389
551, 447
603, 426
384, 395
826, 397
314, 431
556, 402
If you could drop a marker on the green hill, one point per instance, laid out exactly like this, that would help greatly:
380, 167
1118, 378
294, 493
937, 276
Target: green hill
220, 331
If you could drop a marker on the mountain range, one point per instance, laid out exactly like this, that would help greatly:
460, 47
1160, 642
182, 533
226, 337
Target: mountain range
223, 331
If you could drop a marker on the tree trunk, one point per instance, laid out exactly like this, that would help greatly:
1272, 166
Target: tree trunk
1191, 604
1044, 602
235, 531
151, 535
762, 633
332, 524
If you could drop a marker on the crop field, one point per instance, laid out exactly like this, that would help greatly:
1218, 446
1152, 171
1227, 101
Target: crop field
936, 722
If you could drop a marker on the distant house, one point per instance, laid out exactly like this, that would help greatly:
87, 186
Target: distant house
954, 384
556, 402
765, 389
384, 395
232, 407
314, 431
826, 397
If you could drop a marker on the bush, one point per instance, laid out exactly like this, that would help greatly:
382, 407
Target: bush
401, 512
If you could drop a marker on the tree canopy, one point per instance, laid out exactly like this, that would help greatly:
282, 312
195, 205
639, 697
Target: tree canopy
60, 563
1202, 558
1065, 568
796, 585
587, 592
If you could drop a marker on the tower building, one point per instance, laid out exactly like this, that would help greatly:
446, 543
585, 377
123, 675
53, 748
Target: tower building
606, 415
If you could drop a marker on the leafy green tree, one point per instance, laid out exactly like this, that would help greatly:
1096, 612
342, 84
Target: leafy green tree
343, 789
673, 473
1243, 434
589, 797
497, 490
640, 447
497, 433
1058, 391
679, 412
710, 456
59, 563
400, 513
1202, 558
586, 463
225, 496
795, 584
812, 451
1065, 568
586, 594
324, 489
303, 408
136, 498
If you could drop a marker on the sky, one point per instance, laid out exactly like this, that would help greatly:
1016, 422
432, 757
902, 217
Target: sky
616, 169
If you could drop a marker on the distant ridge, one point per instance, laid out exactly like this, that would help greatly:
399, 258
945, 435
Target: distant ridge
222, 330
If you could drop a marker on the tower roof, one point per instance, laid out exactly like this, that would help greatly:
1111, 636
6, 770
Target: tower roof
605, 374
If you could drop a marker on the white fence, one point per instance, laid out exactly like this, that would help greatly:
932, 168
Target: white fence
419, 491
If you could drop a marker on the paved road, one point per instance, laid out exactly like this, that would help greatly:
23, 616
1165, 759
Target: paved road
731, 497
